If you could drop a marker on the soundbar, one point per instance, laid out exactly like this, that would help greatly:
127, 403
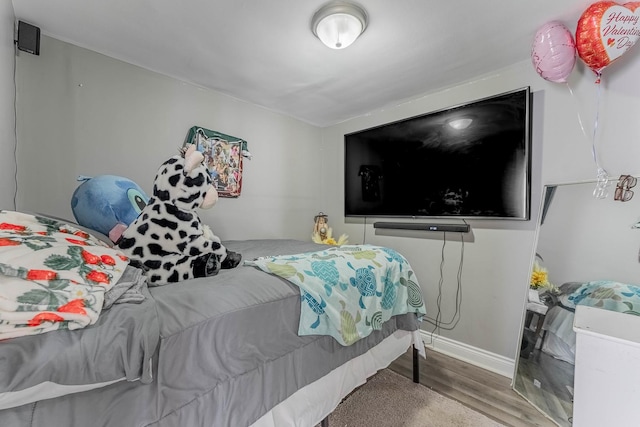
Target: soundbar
458, 228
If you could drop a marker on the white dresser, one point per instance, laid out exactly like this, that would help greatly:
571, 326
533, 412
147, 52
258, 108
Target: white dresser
607, 369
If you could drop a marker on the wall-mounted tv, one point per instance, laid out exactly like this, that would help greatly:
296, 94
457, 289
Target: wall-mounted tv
466, 161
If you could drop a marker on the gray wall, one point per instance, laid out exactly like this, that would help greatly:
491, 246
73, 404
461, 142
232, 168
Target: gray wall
7, 115
83, 113
585, 239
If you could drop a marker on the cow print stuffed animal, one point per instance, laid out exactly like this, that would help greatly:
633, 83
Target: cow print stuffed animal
168, 240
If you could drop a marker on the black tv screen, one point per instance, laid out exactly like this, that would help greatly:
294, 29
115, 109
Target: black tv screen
466, 161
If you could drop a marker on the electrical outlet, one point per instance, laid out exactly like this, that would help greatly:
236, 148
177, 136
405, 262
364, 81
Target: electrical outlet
536, 383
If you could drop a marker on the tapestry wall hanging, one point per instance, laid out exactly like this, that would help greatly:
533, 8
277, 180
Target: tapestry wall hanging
223, 156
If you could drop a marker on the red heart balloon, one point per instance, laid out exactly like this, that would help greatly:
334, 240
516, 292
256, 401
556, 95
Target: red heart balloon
606, 30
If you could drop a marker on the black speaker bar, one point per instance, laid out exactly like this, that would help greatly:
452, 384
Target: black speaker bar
458, 228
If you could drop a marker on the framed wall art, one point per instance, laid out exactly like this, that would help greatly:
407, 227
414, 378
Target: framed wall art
223, 155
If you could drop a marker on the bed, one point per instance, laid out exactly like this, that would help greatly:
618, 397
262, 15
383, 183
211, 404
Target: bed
559, 339
223, 351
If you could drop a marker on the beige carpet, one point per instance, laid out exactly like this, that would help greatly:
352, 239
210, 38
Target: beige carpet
389, 399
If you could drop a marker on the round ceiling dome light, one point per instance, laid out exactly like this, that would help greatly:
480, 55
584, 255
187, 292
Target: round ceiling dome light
338, 24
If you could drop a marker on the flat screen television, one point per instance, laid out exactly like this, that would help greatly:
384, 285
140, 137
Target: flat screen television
467, 161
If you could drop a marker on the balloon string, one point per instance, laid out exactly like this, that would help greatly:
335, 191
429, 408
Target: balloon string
601, 191
578, 113
595, 125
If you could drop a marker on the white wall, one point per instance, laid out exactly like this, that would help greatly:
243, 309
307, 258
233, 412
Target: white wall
498, 255
7, 112
82, 113
585, 239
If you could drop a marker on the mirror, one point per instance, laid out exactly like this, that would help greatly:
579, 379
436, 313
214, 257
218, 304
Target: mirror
581, 239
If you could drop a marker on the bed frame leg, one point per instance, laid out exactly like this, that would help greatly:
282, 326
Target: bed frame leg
325, 422
416, 367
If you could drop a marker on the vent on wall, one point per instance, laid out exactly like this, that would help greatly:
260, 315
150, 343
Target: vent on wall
28, 38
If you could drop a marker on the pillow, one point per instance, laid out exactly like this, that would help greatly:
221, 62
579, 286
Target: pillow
608, 295
570, 287
53, 275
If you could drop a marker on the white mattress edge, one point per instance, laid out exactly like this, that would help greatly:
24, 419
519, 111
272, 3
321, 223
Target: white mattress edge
304, 408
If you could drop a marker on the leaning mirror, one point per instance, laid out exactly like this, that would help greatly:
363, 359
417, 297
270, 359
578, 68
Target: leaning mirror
584, 245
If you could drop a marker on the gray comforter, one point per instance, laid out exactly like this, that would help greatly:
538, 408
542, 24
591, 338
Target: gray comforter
119, 346
228, 352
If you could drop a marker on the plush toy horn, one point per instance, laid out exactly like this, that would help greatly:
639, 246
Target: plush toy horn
192, 158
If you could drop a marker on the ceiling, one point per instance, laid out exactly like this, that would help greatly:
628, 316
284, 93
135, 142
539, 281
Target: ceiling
263, 51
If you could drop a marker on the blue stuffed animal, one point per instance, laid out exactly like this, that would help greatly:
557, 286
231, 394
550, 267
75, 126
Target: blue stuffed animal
107, 203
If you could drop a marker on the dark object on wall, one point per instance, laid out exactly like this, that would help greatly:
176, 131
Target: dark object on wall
28, 38
468, 161
223, 155
457, 228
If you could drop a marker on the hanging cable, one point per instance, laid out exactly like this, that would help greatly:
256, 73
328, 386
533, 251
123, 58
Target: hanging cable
450, 325
440, 282
15, 130
435, 322
364, 231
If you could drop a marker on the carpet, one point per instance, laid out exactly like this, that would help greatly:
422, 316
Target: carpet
390, 399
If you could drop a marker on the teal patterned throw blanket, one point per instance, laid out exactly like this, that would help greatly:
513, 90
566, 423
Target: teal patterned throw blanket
348, 291
607, 294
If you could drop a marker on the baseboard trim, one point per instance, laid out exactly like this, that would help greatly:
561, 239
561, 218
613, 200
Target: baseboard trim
476, 356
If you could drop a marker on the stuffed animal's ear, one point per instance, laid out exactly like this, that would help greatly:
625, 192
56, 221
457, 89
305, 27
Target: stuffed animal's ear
192, 159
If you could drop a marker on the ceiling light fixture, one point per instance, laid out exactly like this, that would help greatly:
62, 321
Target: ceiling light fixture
338, 24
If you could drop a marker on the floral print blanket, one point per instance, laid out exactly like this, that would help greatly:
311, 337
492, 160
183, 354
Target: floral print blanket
52, 275
348, 291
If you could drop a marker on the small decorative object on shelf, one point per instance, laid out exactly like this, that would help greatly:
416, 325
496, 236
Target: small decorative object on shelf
623, 191
540, 277
323, 234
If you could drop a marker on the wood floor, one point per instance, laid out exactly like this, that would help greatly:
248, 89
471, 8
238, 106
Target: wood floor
554, 393
477, 388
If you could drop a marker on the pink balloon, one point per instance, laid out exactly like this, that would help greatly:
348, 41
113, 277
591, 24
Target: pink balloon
553, 52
